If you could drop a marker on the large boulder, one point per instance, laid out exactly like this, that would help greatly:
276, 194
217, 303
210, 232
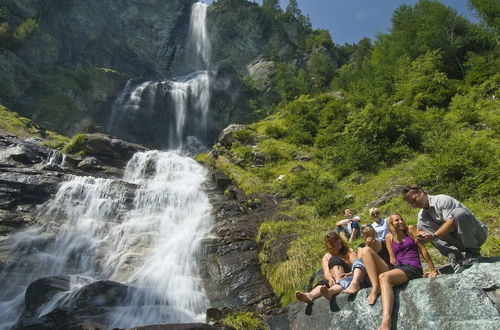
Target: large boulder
461, 301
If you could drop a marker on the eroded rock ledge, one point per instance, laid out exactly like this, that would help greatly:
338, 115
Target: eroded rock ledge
470, 300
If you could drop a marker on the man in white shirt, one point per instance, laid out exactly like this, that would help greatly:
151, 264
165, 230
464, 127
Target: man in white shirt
349, 227
450, 226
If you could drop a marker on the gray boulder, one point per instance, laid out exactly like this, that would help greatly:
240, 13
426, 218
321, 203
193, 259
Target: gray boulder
460, 301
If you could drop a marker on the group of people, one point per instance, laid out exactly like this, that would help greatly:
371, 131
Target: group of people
390, 254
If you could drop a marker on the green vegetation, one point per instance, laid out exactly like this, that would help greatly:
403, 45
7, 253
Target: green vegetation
76, 145
418, 105
244, 321
23, 127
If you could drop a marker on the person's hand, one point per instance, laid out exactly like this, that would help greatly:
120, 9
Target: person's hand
344, 275
432, 274
423, 237
330, 280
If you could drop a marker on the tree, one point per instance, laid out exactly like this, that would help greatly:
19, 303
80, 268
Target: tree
293, 9
271, 4
489, 11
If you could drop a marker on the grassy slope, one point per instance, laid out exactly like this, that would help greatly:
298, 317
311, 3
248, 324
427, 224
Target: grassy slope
304, 253
23, 127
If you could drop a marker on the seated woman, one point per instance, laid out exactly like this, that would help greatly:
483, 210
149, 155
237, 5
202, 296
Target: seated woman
375, 244
374, 253
348, 228
403, 253
341, 270
379, 224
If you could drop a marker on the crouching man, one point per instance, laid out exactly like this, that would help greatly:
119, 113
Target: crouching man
448, 225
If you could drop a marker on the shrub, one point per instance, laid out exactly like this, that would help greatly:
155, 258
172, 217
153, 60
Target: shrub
244, 321
76, 145
25, 29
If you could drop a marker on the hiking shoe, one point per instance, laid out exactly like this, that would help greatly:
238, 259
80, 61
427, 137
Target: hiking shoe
471, 256
455, 260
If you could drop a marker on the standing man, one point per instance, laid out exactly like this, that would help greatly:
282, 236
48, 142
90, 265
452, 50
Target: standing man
450, 226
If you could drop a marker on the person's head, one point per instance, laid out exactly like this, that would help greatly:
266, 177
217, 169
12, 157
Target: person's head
375, 213
415, 196
348, 213
396, 223
368, 234
335, 244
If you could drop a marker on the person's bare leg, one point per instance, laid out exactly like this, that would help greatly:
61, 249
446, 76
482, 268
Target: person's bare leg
328, 293
336, 271
387, 281
374, 267
355, 285
308, 297
353, 234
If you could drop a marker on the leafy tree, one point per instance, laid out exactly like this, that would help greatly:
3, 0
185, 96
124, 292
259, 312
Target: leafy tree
423, 84
489, 11
293, 9
271, 4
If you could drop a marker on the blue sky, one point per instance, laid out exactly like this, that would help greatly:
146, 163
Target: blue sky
351, 20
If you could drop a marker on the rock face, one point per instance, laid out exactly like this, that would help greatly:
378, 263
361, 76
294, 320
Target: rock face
30, 174
67, 73
231, 267
460, 301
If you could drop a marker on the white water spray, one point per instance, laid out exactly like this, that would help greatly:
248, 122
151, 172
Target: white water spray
189, 96
88, 231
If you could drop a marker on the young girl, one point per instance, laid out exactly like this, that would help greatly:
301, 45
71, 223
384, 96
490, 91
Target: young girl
403, 252
376, 255
341, 270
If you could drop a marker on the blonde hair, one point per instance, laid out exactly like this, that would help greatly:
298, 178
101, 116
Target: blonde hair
374, 209
390, 223
329, 247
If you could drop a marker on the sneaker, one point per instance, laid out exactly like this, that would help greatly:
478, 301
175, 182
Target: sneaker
471, 256
455, 260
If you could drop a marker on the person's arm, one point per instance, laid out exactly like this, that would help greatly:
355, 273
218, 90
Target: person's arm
342, 222
414, 232
356, 218
326, 270
388, 245
447, 227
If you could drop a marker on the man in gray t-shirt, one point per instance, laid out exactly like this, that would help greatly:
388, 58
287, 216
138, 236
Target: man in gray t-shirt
450, 226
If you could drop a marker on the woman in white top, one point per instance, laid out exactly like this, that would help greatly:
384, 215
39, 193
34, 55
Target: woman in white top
379, 224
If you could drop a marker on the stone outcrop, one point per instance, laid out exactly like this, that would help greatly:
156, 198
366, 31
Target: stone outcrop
460, 301
231, 267
31, 173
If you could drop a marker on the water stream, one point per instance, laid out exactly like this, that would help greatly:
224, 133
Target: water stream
144, 230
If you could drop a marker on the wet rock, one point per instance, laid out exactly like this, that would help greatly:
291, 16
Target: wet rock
178, 326
87, 163
42, 290
110, 151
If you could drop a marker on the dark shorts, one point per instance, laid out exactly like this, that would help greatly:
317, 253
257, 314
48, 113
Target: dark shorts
334, 261
354, 225
411, 272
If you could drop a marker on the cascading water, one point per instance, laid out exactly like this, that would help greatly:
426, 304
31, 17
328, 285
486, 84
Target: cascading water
87, 231
90, 232
178, 98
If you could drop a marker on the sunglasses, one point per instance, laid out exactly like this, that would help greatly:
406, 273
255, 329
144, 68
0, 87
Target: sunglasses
375, 213
408, 189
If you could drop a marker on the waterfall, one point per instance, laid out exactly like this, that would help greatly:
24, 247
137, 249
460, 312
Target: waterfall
88, 231
184, 101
